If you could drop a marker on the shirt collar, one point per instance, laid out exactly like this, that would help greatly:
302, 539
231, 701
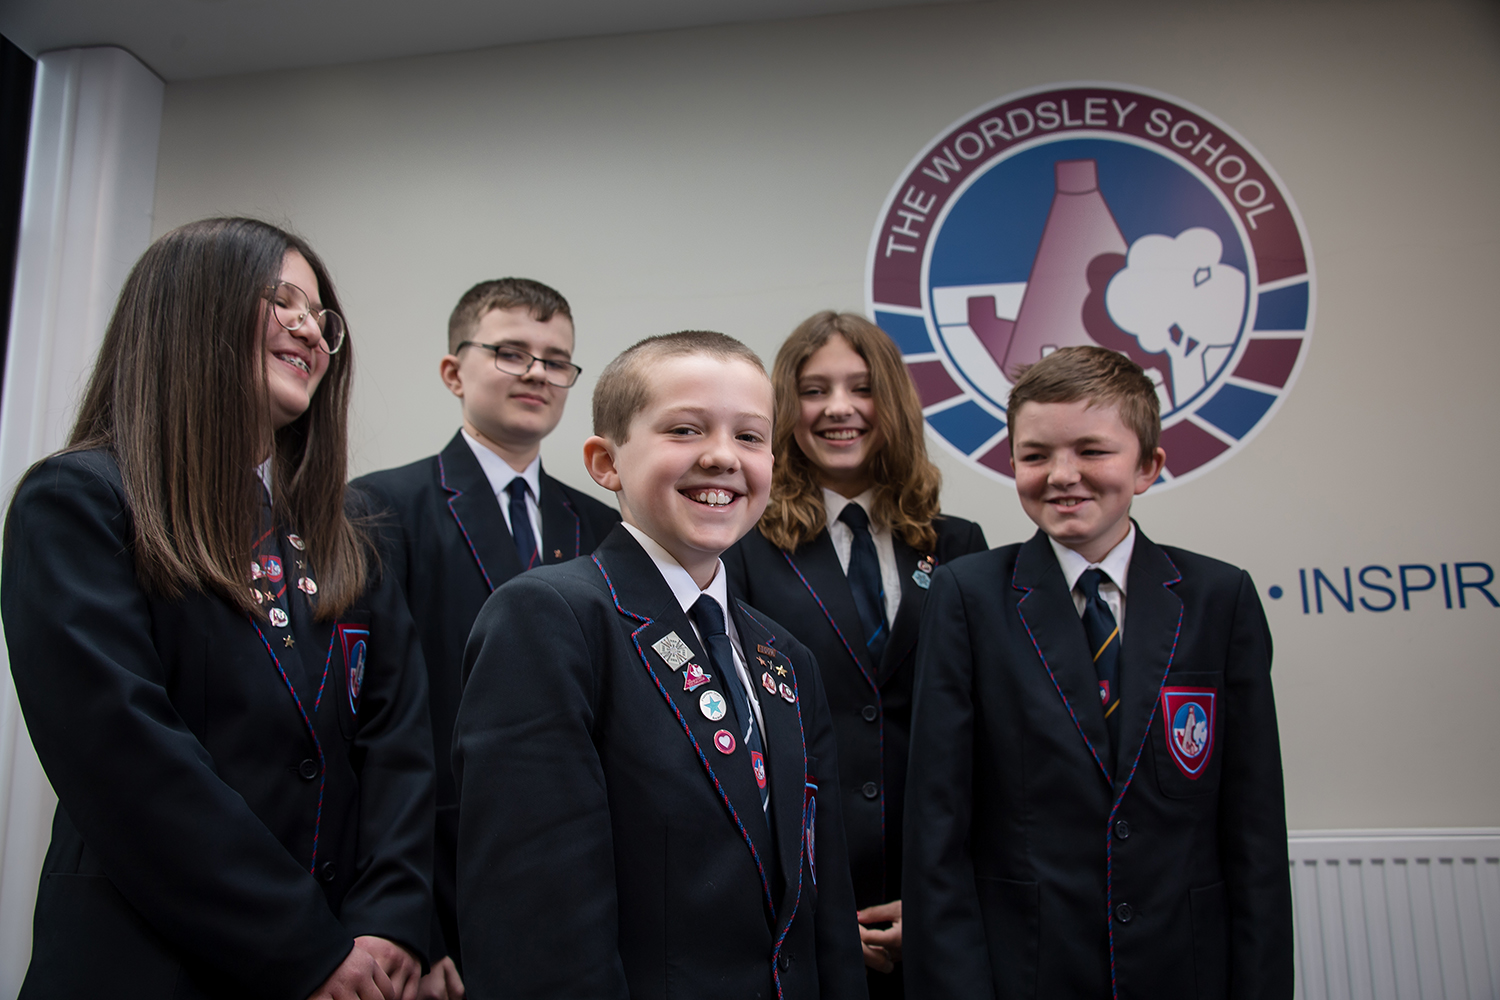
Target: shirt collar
1116, 564
835, 502
263, 470
679, 580
498, 471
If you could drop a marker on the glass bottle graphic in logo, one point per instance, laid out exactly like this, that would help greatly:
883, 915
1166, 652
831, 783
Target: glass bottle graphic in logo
1094, 214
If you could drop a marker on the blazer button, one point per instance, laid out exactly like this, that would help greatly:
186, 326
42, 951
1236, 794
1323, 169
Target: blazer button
870, 789
784, 962
1122, 830
327, 872
308, 769
1123, 913
870, 712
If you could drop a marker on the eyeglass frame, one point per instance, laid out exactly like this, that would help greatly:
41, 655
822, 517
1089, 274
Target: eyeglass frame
495, 350
316, 315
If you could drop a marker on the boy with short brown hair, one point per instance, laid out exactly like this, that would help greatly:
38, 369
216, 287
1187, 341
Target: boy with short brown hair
647, 767
1094, 802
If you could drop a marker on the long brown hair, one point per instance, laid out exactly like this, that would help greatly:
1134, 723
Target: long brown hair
907, 484
179, 396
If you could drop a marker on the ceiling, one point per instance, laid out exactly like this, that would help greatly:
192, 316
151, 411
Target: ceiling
192, 39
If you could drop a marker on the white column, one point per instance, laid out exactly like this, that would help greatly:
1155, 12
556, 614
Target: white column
85, 218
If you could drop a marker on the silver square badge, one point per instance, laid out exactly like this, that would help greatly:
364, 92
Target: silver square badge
673, 650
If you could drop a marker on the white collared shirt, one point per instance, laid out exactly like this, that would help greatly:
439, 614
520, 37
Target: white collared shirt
842, 537
498, 471
263, 470
687, 593
1116, 567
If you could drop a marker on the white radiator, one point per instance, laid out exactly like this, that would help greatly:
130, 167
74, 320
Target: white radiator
1397, 914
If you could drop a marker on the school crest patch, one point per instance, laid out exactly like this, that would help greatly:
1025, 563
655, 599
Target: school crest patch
810, 827
354, 640
1188, 714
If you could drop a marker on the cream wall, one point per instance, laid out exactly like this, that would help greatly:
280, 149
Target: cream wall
729, 178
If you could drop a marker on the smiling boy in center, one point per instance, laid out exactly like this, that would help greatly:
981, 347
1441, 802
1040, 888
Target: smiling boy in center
647, 766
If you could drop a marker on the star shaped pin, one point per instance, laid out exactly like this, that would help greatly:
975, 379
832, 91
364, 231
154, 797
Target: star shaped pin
289, 641
780, 670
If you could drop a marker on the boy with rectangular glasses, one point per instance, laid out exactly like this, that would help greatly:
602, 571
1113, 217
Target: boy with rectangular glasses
460, 523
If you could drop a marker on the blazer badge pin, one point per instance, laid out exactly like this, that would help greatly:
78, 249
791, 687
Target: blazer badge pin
673, 650
694, 677
1189, 717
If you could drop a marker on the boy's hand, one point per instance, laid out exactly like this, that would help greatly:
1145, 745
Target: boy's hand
442, 983
358, 977
399, 965
882, 948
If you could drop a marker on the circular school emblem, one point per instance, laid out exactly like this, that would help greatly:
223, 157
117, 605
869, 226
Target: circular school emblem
1094, 214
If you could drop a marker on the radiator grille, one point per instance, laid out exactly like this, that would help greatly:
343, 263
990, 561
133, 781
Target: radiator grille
1397, 914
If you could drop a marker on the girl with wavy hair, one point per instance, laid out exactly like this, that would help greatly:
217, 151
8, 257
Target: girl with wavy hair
842, 558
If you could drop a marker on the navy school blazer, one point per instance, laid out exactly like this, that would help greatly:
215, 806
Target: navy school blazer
232, 811
1040, 865
443, 538
807, 591
607, 847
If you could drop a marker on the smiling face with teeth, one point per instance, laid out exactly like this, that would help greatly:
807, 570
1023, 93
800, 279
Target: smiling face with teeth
1078, 467
694, 472
294, 364
838, 427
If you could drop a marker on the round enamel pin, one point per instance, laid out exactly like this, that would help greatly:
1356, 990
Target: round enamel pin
255, 571
307, 585
278, 618
724, 741
296, 542
768, 682
788, 695
712, 705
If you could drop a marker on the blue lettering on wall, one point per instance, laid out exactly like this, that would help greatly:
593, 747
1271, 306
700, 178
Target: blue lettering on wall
1408, 586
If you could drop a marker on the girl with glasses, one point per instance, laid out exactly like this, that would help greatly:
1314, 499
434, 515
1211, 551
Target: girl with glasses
842, 559
227, 699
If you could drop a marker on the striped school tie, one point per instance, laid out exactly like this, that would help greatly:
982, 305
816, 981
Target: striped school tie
1103, 634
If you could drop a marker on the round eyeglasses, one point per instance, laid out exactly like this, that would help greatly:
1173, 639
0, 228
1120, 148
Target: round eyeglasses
514, 361
292, 308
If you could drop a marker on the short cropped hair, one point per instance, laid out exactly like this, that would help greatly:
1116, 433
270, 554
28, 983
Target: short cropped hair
503, 293
1104, 378
623, 391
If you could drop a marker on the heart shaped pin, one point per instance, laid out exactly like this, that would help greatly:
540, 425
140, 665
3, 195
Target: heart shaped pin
724, 741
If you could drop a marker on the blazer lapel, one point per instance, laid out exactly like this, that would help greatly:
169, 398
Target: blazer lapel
1153, 619
1052, 620
908, 612
663, 634
562, 528
817, 564
473, 505
787, 764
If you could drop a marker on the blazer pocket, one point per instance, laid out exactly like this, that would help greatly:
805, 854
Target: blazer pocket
1186, 734
91, 942
1012, 929
1210, 941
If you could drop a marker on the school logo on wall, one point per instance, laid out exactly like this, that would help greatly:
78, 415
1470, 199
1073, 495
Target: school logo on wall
1094, 214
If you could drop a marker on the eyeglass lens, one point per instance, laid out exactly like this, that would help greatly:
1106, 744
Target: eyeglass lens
516, 362
293, 309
